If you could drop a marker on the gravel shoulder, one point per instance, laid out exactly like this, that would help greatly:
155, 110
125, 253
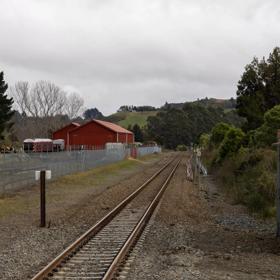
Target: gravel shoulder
74, 203
199, 234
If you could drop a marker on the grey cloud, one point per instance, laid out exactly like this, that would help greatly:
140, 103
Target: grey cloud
136, 52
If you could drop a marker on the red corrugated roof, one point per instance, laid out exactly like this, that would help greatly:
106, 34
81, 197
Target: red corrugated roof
111, 126
72, 123
76, 124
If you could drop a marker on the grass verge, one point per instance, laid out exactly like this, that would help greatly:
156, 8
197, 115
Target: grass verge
69, 187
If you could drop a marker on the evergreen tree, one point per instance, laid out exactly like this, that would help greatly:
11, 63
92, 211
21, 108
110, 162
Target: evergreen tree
259, 89
5, 107
93, 113
138, 134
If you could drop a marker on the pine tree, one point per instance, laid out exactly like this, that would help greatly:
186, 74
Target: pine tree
138, 134
5, 107
259, 89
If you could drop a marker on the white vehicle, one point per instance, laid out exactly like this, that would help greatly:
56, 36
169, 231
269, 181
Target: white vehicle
58, 145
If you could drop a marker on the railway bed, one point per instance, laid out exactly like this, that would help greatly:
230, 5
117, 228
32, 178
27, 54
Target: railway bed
100, 251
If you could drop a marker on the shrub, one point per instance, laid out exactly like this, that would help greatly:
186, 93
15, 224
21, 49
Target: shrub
249, 178
204, 140
232, 143
265, 135
272, 117
218, 133
181, 148
249, 164
255, 202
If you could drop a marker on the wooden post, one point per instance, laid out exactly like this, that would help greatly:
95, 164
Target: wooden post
43, 198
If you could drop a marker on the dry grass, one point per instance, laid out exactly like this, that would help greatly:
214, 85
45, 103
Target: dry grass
70, 187
14, 205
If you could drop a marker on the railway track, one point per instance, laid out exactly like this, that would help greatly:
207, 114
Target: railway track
99, 252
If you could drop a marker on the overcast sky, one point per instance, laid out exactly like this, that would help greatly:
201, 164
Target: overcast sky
146, 52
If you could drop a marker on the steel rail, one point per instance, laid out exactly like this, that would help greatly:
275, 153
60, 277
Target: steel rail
48, 270
132, 239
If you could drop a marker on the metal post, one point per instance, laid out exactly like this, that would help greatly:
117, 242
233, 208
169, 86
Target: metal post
198, 171
195, 169
43, 197
278, 192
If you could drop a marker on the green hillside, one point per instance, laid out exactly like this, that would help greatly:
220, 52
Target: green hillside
130, 118
126, 118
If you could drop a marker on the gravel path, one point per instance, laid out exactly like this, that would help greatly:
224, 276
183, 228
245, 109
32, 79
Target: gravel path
198, 234
25, 248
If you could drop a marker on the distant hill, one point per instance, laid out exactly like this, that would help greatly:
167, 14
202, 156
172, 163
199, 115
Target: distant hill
126, 118
130, 118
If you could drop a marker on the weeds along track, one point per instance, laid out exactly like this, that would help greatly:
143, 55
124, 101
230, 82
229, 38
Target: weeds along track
99, 252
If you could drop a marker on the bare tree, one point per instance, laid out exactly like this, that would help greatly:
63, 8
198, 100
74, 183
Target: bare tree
73, 105
45, 106
20, 94
45, 99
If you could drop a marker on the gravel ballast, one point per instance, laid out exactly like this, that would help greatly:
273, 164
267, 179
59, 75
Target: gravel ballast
25, 248
199, 234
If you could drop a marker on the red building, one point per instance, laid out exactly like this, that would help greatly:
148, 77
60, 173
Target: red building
63, 133
95, 133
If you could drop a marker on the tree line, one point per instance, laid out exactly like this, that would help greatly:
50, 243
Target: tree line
173, 127
132, 108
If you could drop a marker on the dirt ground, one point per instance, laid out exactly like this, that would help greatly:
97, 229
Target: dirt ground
74, 203
198, 234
